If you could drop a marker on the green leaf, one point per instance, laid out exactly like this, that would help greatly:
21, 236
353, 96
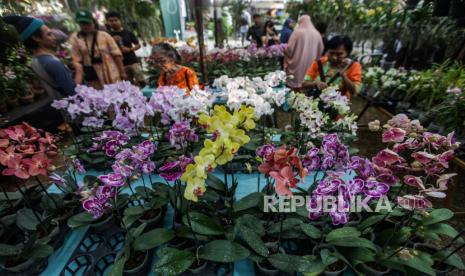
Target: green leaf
251, 222
327, 258
136, 232
26, 220
118, 266
417, 263
173, 261
80, 220
8, 219
310, 230
358, 255
215, 183
353, 242
153, 238
346, 232
203, 224
129, 220
185, 232
253, 240
292, 224
249, 201
10, 250
370, 221
293, 263
134, 210
223, 251
454, 260
40, 251
438, 215
443, 229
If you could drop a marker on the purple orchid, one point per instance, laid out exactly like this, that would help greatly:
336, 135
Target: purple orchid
113, 179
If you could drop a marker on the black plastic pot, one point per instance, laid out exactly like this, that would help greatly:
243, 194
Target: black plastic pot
261, 270
335, 273
370, 271
201, 270
104, 225
155, 221
141, 269
29, 267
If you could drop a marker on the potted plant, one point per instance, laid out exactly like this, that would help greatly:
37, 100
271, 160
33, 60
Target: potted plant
135, 257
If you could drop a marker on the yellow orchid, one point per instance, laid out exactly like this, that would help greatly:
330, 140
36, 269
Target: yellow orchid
230, 135
193, 191
229, 149
246, 117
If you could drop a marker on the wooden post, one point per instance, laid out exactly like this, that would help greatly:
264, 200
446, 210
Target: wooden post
199, 23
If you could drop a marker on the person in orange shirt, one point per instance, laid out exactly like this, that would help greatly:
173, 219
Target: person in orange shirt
167, 59
336, 66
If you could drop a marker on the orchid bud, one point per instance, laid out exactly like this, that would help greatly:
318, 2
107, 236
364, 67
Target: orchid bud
413, 135
134, 177
85, 194
52, 168
374, 125
416, 165
424, 213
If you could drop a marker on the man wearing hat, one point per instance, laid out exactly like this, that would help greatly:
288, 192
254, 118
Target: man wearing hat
55, 76
96, 56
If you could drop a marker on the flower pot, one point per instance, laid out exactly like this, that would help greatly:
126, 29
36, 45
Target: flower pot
140, 265
374, 269
198, 269
153, 219
443, 270
335, 269
105, 224
265, 268
26, 267
27, 99
12, 102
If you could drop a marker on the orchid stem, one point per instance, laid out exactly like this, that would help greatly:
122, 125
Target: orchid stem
190, 222
145, 187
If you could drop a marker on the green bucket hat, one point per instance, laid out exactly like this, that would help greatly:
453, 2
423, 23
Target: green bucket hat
84, 16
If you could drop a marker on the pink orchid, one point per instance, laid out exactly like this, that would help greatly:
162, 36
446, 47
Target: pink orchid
434, 139
16, 168
38, 164
423, 157
400, 120
411, 202
7, 155
386, 157
284, 181
445, 157
4, 143
394, 134
443, 180
451, 142
414, 182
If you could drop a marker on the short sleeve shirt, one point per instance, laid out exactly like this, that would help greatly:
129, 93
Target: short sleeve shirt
185, 78
127, 39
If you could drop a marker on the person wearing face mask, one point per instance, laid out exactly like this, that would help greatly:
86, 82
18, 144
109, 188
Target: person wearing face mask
336, 67
167, 59
55, 77
96, 56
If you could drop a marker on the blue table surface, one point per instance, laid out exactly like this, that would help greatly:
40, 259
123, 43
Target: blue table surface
247, 185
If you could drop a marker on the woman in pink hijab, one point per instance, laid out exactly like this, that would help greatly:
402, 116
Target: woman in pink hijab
304, 46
